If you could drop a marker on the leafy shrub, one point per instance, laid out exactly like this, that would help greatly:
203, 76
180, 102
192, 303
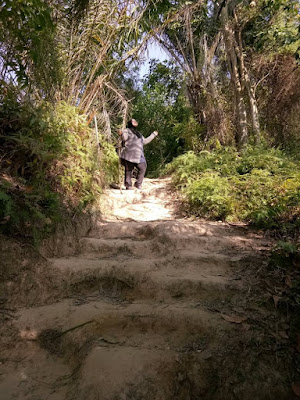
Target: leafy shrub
191, 131
260, 185
6, 205
260, 158
109, 163
50, 165
224, 161
210, 196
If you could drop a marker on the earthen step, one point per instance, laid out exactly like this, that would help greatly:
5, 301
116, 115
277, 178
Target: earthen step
145, 323
178, 233
119, 348
118, 230
129, 247
124, 372
163, 245
160, 279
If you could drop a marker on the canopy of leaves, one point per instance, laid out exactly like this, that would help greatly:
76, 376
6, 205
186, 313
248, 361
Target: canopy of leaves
28, 52
161, 105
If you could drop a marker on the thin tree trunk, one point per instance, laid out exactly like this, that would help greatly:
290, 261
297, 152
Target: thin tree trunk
240, 106
107, 122
254, 114
210, 90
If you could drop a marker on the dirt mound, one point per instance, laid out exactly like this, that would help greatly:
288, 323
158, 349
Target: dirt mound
149, 306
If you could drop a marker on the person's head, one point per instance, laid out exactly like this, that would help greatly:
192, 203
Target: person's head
132, 123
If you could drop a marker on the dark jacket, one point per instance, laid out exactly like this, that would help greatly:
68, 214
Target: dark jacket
133, 145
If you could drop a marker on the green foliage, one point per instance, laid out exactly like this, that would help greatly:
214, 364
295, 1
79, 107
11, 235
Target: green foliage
273, 26
224, 161
28, 48
50, 165
260, 185
109, 163
211, 195
6, 205
29, 211
270, 160
190, 131
285, 250
161, 106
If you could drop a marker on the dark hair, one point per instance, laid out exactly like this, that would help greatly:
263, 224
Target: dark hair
133, 129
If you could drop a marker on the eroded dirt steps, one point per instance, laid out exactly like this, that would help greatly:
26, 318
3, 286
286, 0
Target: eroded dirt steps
148, 306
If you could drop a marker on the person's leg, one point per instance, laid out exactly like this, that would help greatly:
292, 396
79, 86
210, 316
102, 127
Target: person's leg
141, 173
128, 173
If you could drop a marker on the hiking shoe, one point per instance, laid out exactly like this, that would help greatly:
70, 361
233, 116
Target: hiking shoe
129, 188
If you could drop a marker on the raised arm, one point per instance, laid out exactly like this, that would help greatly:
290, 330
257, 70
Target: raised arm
150, 138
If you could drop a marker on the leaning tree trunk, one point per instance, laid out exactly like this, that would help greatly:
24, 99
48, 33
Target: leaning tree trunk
236, 81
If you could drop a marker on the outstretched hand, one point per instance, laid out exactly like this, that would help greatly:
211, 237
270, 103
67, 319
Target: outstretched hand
120, 131
156, 133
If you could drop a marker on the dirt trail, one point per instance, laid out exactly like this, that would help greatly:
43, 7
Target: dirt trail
168, 311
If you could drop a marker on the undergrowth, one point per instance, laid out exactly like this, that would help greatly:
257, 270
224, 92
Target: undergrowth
260, 185
284, 273
50, 166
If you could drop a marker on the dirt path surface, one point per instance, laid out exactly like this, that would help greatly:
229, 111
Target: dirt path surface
148, 307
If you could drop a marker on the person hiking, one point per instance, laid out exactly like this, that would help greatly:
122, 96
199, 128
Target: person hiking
132, 153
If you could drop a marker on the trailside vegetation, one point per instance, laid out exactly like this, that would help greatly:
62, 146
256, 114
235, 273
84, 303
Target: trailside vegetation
258, 185
50, 167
